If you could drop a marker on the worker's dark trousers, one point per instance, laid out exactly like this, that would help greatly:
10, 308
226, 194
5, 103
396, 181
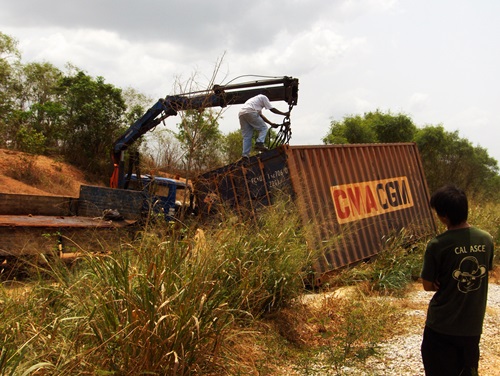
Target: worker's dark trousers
445, 355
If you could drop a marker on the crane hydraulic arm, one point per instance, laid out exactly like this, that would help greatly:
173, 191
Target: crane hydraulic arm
283, 88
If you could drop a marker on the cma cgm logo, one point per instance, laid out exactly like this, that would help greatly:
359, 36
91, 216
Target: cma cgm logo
367, 199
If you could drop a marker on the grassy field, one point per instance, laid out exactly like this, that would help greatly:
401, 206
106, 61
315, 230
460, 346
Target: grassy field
222, 300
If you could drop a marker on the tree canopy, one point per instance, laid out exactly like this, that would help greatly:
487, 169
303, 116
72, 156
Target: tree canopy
200, 140
94, 113
44, 110
372, 127
446, 157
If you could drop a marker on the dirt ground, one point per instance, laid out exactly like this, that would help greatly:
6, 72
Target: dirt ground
38, 175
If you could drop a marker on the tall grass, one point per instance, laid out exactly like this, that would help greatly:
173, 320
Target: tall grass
180, 300
351, 329
391, 271
170, 302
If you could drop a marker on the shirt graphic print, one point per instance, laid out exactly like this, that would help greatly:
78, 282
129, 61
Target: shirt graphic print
469, 274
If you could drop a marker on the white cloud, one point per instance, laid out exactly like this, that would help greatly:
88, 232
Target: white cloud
435, 61
418, 102
318, 47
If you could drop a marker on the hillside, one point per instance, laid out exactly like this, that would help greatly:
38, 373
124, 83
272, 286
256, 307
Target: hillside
38, 175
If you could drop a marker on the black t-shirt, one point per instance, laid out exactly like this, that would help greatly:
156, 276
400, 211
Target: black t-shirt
459, 261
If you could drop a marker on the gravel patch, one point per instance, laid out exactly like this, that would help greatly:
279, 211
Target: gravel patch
401, 354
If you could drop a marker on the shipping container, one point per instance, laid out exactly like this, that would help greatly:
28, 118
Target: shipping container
353, 196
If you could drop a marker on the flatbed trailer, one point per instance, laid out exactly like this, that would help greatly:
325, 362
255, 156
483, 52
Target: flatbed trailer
54, 225
56, 235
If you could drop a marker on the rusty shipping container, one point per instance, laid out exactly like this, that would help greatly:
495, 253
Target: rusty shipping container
353, 196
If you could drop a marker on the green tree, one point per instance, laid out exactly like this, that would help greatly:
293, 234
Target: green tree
200, 140
232, 146
40, 111
448, 158
351, 130
93, 118
40, 81
9, 64
8, 47
29, 108
391, 128
199, 134
136, 103
371, 127
30, 141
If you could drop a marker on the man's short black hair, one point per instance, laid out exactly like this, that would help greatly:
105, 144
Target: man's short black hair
451, 202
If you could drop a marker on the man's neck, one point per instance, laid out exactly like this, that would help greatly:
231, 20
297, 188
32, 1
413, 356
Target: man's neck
459, 226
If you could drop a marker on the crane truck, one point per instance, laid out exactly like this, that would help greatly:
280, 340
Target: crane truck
278, 89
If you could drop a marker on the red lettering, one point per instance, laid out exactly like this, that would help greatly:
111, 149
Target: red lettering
371, 203
356, 201
355, 198
343, 211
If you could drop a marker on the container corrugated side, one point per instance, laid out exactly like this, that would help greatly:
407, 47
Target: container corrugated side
358, 196
353, 197
244, 186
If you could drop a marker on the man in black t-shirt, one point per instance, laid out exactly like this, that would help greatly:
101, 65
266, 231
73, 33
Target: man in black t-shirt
456, 266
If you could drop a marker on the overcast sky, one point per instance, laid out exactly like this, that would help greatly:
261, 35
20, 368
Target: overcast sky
434, 60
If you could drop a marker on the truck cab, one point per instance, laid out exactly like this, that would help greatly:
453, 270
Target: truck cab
165, 195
